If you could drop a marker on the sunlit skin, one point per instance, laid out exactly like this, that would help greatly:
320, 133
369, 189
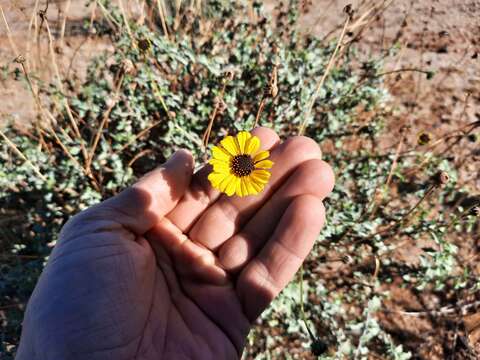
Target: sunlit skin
173, 269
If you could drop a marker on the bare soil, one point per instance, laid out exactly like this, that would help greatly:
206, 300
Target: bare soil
76, 49
442, 37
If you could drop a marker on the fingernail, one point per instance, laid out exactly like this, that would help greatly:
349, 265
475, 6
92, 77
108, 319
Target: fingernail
180, 155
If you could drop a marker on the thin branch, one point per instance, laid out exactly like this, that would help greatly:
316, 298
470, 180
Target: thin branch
162, 14
330, 64
409, 212
22, 156
103, 122
65, 100
270, 91
64, 21
444, 311
219, 105
125, 20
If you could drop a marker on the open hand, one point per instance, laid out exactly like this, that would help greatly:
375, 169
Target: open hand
172, 269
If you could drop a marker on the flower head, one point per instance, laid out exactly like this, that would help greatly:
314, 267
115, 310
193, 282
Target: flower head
424, 138
239, 166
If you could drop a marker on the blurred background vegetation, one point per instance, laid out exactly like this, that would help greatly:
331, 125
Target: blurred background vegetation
400, 242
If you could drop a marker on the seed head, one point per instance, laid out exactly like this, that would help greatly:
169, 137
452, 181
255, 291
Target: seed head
441, 178
475, 211
20, 59
319, 347
270, 90
348, 9
228, 75
347, 259
42, 14
128, 67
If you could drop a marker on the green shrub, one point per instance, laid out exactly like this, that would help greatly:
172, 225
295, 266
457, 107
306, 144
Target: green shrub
166, 90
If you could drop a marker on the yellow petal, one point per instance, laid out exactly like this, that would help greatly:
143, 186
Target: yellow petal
239, 189
252, 146
216, 178
257, 186
262, 173
220, 166
249, 184
230, 144
232, 186
242, 139
226, 182
220, 154
264, 164
261, 176
243, 182
216, 161
262, 155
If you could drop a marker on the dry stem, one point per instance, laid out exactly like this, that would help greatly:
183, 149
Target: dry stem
64, 21
405, 216
65, 100
21, 60
390, 175
206, 135
125, 20
24, 158
162, 14
330, 64
69, 155
272, 92
102, 124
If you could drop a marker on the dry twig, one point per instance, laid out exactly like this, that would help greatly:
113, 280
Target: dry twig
330, 64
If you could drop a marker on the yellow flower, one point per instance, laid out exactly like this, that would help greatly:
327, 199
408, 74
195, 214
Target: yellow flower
424, 138
239, 167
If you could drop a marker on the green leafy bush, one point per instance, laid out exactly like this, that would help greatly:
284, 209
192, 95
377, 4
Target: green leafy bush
152, 95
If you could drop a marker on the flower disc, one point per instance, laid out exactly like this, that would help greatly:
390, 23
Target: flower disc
239, 166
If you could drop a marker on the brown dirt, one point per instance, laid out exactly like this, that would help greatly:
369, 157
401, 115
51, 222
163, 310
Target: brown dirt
440, 36
73, 52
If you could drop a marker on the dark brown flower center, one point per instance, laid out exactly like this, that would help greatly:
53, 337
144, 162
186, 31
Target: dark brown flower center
242, 165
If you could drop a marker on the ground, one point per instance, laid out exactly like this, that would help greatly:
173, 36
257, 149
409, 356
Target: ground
440, 37
443, 37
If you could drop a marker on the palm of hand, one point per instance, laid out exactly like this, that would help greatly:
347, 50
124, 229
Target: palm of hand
169, 269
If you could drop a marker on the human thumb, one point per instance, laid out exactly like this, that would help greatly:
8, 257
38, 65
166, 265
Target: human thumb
141, 206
